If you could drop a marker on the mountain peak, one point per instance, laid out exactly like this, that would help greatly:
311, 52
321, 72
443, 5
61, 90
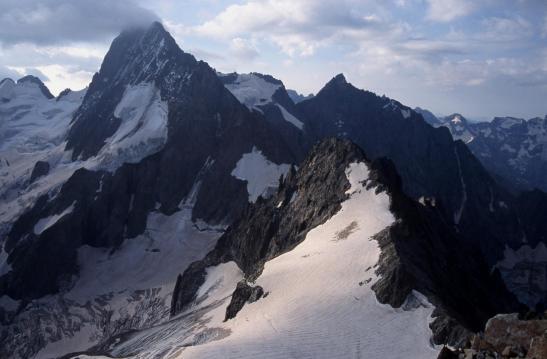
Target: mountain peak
35, 80
337, 83
141, 54
339, 79
456, 118
7, 79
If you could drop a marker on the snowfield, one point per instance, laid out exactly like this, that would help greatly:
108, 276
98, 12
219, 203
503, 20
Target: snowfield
261, 175
32, 128
119, 291
319, 303
252, 90
129, 288
143, 129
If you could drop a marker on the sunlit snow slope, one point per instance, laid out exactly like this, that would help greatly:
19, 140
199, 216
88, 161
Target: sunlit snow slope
319, 302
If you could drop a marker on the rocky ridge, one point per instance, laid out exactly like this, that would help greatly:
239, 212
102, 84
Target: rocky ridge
419, 252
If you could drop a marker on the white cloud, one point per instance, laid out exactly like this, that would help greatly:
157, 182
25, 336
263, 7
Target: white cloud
298, 27
448, 10
500, 29
243, 49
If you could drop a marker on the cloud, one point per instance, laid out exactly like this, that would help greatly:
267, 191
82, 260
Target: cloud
7, 72
448, 10
243, 49
505, 29
298, 27
65, 21
37, 73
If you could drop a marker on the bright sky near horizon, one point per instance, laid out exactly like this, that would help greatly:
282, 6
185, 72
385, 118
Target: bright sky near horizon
481, 58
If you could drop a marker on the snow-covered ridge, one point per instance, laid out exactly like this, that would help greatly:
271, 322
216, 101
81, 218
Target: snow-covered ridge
261, 175
319, 301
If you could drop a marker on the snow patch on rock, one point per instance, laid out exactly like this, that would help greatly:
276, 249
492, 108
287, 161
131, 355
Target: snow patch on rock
261, 175
45, 223
143, 128
290, 118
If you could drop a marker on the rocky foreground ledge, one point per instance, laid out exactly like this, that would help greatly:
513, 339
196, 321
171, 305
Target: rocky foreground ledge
507, 336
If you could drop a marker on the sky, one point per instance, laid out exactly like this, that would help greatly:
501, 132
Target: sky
480, 58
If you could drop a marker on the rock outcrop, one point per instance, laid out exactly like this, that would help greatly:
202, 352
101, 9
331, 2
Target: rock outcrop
41, 168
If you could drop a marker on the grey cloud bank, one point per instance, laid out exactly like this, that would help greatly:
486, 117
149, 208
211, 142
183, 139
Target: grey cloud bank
63, 21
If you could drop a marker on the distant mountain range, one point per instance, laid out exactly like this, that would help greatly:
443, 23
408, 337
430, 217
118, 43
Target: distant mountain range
169, 210
512, 149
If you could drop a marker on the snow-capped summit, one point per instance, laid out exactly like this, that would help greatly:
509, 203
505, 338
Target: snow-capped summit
125, 108
253, 90
159, 158
459, 127
29, 79
28, 86
269, 97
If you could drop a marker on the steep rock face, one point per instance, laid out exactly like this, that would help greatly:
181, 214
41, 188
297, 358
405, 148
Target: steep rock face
423, 252
268, 95
270, 228
209, 131
428, 116
41, 168
430, 163
420, 251
243, 294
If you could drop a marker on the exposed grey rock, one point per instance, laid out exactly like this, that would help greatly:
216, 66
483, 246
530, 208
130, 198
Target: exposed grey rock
41, 168
243, 293
63, 94
428, 116
297, 97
